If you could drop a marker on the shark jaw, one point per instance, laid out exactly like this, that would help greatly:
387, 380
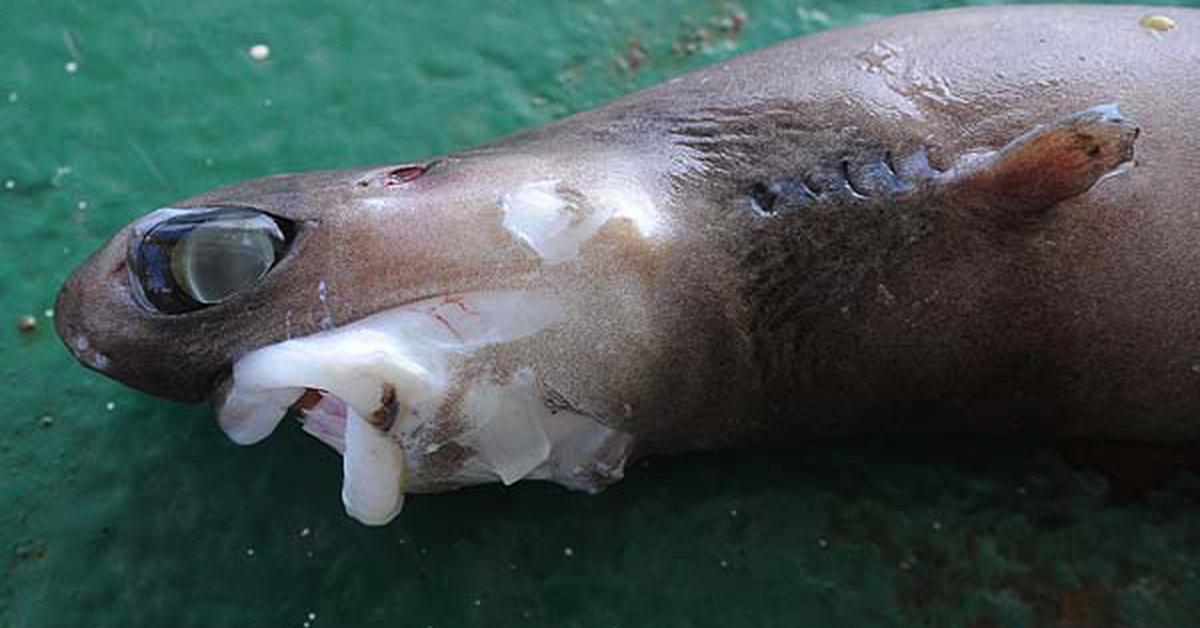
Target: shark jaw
410, 400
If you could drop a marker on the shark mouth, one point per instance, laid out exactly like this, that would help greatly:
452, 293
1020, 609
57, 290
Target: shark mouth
426, 397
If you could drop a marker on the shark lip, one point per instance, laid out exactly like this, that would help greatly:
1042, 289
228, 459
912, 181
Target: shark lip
387, 393
406, 355
367, 373
374, 469
403, 397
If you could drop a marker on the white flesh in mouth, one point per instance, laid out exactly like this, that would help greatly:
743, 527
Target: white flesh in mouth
372, 472
383, 389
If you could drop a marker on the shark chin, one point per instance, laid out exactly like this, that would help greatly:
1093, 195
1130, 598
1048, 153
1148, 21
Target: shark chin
422, 398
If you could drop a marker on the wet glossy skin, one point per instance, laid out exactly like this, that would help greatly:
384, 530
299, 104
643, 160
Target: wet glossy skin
865, 291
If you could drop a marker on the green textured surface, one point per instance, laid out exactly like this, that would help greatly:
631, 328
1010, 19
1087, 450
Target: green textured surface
117, 509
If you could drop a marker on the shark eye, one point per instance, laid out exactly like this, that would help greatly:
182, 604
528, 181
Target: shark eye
202, 257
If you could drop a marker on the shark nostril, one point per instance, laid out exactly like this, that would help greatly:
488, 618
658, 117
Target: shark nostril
81, 346
75, 321
85, 351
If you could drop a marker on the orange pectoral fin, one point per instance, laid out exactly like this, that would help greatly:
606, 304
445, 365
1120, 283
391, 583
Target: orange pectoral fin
1050, 163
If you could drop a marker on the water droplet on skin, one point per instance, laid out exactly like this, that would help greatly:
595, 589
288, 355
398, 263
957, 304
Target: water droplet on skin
1157, 23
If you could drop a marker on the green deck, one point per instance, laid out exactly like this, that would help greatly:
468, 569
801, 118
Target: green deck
121, 510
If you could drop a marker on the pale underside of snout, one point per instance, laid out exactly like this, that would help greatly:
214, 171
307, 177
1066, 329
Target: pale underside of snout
405, 398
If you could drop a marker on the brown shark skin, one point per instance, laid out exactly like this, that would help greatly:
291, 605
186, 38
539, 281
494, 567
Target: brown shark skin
949, 297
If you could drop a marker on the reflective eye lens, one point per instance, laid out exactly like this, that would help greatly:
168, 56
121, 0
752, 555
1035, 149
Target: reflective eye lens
205, 256
222, 257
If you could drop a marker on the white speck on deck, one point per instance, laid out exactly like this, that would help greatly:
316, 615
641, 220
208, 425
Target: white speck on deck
59, 173
259, 52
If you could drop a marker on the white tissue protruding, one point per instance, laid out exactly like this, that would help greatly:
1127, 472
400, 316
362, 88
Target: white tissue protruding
507, 436
354, 364
372, 473
516, 435
394, 368
553, 226
406, 347
248, 416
